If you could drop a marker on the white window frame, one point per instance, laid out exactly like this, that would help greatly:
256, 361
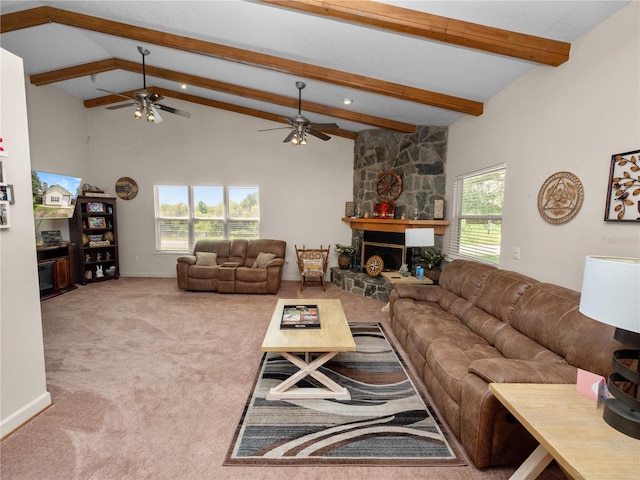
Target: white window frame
455, 251
191, 217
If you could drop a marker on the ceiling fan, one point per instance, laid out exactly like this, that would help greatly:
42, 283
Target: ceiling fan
146, 103
301, 126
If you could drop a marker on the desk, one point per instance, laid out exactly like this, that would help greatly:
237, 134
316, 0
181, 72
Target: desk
570, 430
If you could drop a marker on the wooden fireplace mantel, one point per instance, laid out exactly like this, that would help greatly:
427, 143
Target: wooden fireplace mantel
393, 225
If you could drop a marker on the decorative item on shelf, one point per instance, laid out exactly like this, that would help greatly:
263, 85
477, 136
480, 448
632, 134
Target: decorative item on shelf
99, 243
438, 209
98, 257
349, 209
560, 198
111, 271
87, 189
99, 272
346, 253
85, 239
87, 258
404, 270
609, 295
623, 193
374, 265
88, 274
419, 273
432, 261
384, 210
108, 236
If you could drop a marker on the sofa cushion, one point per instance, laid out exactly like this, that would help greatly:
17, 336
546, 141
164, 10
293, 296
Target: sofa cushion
262, 259
203, 272
206, 259
449, 360
465, 278
247, 274
312, 266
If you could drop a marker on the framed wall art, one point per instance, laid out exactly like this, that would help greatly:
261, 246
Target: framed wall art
623, 192
95, 207
560, 198
5, 219
6, 193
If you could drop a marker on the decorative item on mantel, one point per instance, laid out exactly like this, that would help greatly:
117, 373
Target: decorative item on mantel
93, 191
346, 253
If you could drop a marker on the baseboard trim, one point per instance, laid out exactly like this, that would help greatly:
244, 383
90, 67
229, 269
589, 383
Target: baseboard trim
25, 414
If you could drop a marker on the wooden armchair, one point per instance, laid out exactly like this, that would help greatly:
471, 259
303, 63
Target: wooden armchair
312, 265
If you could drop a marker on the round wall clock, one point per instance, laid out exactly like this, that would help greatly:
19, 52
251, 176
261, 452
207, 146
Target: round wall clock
560, 198
374, 266
126, 188
388, 186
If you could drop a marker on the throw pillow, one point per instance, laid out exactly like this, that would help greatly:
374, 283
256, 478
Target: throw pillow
262, 259
312, 266
206, 259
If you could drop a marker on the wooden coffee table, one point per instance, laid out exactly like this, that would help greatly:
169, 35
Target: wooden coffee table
334, 336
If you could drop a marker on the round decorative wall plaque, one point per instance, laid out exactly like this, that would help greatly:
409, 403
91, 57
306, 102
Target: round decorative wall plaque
126, 188
560, 198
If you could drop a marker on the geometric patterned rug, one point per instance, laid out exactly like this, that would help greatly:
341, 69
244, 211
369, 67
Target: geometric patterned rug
386, 422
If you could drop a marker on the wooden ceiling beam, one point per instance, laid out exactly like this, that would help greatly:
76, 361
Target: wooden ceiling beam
196, 81
109, 99
433, 27
11, 22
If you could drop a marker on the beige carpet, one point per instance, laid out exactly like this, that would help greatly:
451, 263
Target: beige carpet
149, 382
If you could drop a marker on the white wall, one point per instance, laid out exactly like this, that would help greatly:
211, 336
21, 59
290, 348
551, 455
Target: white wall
23, 392
570, 118
302, 189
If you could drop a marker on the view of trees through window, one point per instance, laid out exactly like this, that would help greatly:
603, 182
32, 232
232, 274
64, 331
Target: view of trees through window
185, 214
480, 199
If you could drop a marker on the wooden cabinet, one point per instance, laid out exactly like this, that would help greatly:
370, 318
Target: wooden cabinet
55, 270
94, 230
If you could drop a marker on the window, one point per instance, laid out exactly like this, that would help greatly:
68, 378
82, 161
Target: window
185, 214
477, 223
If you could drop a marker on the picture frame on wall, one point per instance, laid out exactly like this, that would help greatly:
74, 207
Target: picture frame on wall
3, 177
623, 191
5, 218
6, 194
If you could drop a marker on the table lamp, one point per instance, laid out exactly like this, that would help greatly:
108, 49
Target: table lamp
611, 295
418, 237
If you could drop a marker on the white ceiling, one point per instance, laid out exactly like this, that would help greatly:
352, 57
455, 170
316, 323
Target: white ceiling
371, 52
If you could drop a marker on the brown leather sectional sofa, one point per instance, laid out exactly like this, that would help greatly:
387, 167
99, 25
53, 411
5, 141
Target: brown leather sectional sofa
233, 266
482, 325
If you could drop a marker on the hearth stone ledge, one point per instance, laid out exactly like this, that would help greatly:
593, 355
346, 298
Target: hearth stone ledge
361, 284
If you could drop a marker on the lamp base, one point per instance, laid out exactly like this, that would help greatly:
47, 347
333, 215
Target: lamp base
622, 418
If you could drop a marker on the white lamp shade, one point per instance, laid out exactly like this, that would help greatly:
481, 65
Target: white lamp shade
611, 291
419, 237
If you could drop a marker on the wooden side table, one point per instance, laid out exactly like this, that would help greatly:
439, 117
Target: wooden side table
393, 277
570, 430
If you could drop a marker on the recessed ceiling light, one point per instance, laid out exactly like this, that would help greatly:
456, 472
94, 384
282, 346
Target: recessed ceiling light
183, 86
347, 101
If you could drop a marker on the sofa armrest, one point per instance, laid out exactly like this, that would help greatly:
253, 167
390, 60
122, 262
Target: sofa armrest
505, 370
276, 262
230, 265
189, 259
421, 293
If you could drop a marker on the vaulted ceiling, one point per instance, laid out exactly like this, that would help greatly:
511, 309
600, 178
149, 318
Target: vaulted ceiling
402, 63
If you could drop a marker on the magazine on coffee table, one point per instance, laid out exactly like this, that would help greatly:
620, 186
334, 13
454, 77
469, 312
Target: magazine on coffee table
300, 316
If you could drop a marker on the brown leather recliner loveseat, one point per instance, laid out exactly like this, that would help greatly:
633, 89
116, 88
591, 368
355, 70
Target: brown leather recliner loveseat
483, 325
233, 266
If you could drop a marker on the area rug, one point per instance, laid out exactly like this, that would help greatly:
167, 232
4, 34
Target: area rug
386, 422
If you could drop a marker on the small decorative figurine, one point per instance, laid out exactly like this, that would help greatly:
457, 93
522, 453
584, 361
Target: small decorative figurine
99, 272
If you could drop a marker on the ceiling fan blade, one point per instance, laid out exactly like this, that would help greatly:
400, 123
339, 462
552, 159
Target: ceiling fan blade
115, 107
269, 129
324, 126
156, 115
289, 137
318, 134
172, 110
113, 93
155, 97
